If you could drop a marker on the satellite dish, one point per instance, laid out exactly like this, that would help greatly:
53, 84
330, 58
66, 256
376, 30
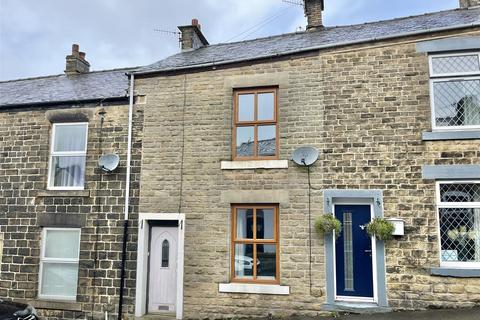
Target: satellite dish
305, 156
109, 162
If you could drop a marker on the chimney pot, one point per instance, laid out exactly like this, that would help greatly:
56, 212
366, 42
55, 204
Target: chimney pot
192, 36
75, 62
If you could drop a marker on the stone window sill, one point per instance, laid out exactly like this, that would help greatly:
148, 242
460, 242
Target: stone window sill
64, 193
254, 164
56, 305
253, 288
455, 272
451, 135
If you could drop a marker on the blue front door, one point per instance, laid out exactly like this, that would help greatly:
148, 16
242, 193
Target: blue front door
353, 252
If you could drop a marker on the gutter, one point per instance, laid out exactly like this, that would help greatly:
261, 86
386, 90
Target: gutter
313, 48
127, 197
58, 103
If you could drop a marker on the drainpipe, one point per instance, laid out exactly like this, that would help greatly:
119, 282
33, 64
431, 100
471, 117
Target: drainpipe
127, 198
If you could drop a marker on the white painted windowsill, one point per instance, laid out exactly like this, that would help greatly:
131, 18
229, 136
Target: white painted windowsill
254, 164
253, 288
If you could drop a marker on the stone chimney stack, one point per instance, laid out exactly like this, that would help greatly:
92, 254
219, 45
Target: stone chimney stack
192, 37
76, 62
313, 12
469, 3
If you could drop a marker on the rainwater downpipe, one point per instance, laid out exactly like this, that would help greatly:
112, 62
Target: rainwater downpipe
127, 197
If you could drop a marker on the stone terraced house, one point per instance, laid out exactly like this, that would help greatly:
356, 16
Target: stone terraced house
222, 223
61, 216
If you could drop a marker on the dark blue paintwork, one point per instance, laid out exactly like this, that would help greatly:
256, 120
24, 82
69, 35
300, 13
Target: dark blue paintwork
362, 256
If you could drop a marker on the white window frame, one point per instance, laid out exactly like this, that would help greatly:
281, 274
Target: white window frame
53, 153
57, 260
446, 77
466, 205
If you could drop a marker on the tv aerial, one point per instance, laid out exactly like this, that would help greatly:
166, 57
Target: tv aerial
108, 162
305, 156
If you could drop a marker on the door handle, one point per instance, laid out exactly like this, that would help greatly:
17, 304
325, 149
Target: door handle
368, 251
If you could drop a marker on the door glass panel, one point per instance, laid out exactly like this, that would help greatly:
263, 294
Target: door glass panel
265, 224
246, 107
266, 106
267, 140
348, 250
245, 141
244, 261
244, 223
165, 253
266, 261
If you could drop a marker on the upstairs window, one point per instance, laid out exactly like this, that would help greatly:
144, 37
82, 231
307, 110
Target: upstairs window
459, 217
455, 91
68, 153
255, 133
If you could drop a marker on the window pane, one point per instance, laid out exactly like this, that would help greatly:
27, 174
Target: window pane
59, 279
266, 106
62, 244
244, 261
458, 64
460, 234
267, 140
165, 253
265, 224
457, 103
244, 223
460, 192
245, 141
70, 137
266, 261
246, 107
68, 171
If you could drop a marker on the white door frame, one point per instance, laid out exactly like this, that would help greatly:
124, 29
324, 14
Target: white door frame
142, 259
374, 259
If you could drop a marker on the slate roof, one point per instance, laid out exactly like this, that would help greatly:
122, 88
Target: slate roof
95, 85
305, 41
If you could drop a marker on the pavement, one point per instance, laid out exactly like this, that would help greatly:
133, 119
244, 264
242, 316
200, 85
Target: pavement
438, 314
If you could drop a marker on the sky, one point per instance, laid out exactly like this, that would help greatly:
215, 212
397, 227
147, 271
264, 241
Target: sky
36, 35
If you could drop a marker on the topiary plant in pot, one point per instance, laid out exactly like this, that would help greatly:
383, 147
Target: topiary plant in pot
327, 224
381, 229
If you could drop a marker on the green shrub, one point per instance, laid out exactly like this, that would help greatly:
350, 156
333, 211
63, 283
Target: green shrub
327, 223
381, 229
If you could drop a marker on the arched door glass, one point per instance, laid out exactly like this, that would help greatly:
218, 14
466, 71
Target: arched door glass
165, 253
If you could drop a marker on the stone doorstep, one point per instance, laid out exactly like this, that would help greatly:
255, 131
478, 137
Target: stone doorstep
356, 307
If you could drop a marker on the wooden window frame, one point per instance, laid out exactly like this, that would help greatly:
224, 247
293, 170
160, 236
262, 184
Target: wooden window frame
255, 241
255, 123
